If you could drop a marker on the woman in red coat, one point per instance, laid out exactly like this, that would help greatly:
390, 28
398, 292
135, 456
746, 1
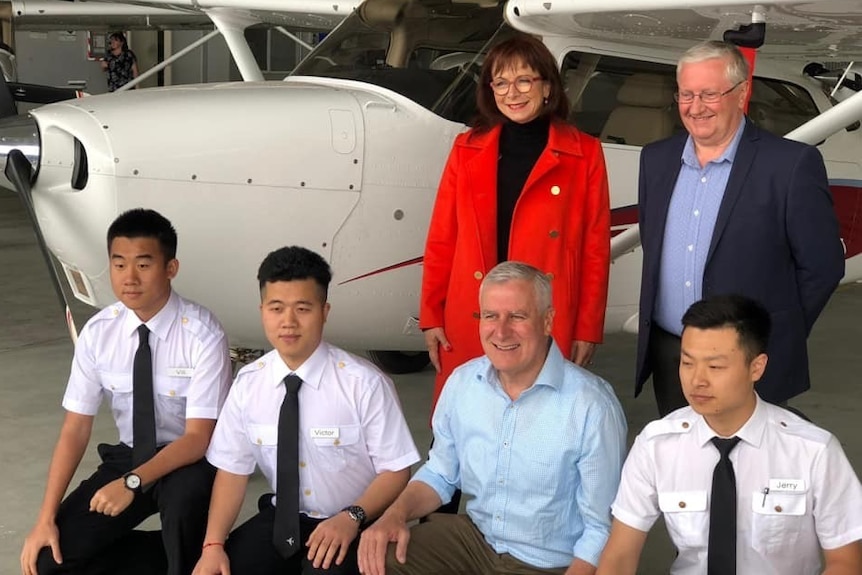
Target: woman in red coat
521, 185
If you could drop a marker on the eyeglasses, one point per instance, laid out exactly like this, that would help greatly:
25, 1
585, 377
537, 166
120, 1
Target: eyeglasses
523, 84
707, 96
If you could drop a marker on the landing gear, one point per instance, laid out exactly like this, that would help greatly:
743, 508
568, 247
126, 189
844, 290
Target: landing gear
398, 362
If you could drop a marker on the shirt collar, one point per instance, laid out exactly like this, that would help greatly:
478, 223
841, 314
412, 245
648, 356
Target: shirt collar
160, 324
311, 370
551, 375
751, 432
689, 155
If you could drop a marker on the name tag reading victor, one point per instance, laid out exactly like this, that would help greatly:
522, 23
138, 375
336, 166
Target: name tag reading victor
787, 485
324, 432
181, 371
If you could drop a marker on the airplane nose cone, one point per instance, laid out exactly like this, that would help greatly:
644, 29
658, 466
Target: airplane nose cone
22, 133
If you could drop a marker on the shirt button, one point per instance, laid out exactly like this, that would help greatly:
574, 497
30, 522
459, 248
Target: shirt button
687, 284
555, 190
477, 274
505, 444
498, 518
682, 504
696, 213
778, 509
685, 425
703, 179
691, 247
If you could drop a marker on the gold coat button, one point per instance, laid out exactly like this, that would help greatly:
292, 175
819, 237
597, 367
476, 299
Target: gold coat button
477, 274
340, 365
259, 441
555, 190
336, 442
682, 504
307, 492
185, 320
302, 464
554, 233
550, 275
778, 509
172, 393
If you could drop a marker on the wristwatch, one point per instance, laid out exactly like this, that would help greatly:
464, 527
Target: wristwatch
132, 481
356, 513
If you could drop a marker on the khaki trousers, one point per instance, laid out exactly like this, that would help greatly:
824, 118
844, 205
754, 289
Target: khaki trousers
451, 545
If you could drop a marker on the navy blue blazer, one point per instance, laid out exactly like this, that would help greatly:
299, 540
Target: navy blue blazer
776, 240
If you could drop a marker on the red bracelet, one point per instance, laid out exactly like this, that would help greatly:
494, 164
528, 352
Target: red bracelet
211, 543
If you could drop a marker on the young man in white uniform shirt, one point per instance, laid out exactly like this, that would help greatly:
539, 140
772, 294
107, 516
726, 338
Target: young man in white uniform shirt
355, 450
796, 492
89, 532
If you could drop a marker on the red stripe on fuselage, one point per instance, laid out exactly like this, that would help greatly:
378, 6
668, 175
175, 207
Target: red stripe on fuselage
848, 208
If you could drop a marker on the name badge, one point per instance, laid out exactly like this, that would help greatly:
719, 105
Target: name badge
181, 371
324, 432
787, 485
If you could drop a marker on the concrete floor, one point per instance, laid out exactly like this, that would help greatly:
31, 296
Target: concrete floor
35, 352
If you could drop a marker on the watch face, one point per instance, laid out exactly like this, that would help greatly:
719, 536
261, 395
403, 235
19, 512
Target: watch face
133, 481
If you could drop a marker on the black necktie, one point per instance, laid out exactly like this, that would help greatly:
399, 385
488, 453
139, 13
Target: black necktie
285, 531
143, 410
721, 556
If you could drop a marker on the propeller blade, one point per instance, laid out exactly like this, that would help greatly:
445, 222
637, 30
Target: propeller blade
19, 172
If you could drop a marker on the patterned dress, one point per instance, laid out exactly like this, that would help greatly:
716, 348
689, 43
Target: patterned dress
120, 68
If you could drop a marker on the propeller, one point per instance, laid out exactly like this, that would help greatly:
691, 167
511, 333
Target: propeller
19, 173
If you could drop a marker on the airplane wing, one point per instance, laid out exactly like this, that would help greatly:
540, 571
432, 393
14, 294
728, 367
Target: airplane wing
814, 30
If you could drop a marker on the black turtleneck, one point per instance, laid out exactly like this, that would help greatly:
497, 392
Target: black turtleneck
520, 148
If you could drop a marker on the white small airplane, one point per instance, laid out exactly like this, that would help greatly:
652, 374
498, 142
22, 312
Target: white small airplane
345, 155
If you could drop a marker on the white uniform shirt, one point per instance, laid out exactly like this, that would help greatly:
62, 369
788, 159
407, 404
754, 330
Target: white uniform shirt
191, 366
350, 427
814, 498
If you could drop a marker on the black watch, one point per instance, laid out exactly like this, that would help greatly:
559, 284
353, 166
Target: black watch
132, 481
356, 513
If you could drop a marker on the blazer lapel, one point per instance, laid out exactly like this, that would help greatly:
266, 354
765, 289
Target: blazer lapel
665, 184
742, 163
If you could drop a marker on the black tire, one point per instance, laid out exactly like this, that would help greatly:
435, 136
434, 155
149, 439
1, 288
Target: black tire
398, 362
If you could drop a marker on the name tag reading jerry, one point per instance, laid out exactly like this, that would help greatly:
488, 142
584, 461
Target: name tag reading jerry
181, 371
324, 432
787, 485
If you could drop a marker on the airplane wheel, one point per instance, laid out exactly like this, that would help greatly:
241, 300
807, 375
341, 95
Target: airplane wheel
400, 361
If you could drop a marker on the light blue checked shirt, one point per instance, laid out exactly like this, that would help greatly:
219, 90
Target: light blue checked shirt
540, 473
688, 230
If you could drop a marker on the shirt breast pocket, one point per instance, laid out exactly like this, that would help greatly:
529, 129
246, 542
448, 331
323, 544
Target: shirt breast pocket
686, 517
334, 452
265, 437
776, 521
119, 385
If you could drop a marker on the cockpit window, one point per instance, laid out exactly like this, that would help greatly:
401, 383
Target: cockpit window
429, 53
625, 101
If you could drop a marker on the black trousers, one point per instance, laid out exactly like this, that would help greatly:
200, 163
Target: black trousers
251, 552
664, 354
96, 544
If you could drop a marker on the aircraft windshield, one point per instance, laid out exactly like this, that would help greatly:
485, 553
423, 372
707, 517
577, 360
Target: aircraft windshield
430, 53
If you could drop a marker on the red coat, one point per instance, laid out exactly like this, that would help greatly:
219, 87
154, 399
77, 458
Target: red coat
561, 225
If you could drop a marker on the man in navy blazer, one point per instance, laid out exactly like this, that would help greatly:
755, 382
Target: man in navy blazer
730, 208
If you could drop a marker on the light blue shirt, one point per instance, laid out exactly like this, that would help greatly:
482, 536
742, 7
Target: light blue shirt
539, 473
688, 230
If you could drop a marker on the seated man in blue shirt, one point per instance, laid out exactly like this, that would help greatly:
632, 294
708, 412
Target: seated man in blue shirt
535, 443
